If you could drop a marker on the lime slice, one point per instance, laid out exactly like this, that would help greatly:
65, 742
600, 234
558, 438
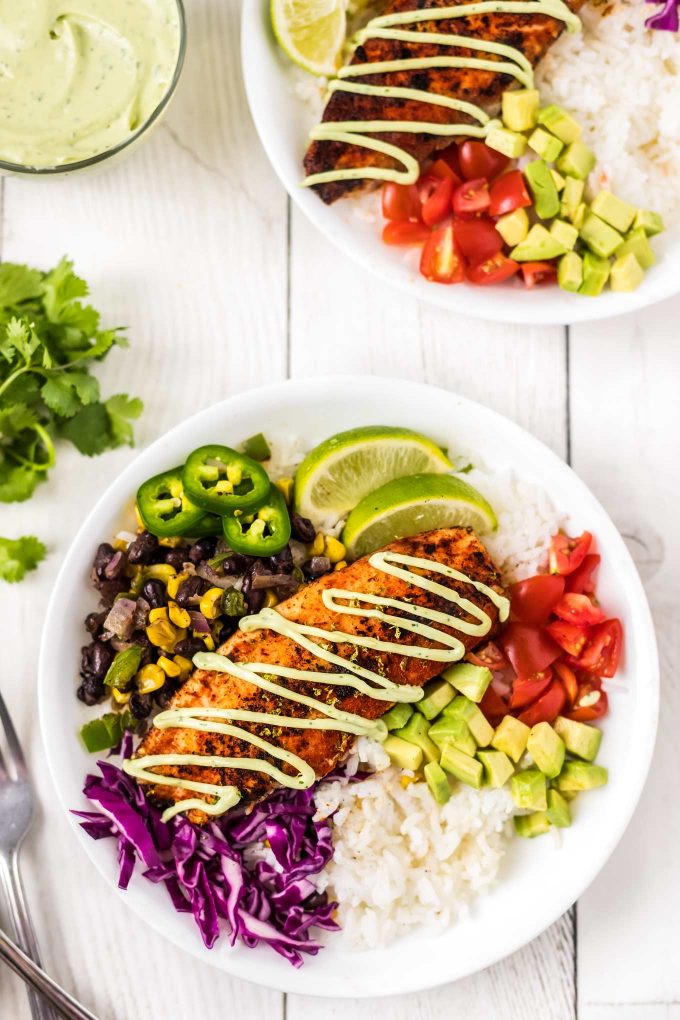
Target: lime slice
410, 506
311, 32
338, 473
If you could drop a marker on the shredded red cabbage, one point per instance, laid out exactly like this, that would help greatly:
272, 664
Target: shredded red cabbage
667, 18
212, 872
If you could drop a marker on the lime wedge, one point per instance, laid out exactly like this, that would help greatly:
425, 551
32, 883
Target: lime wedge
409, 506
311, 32
338, 473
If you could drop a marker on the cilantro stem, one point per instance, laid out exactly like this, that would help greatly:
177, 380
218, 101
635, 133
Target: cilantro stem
37, 465
14, 376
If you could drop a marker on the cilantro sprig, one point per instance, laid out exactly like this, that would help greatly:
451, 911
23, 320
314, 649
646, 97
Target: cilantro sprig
49, 341
18, 556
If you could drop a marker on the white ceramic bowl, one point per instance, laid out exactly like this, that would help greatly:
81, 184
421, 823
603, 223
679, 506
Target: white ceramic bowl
282, 119
527, 898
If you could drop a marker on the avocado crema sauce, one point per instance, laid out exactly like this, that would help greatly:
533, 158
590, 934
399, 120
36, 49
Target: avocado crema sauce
79, 77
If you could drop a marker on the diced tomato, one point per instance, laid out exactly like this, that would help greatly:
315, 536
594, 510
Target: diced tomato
591, 703
602, 651
547, 708
478, 239
488, 655
535, 273
526, 690
450, 155
529, 649
494, 270
405, 232
579, 609
476, 159
581, 580
533, 600
567, 679
437, 206
493, 707
569, 636
566, 554
471, 197
441, 169
508, 193
400, 202
440, 260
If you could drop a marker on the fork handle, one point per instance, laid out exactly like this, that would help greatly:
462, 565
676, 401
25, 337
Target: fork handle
24, 966
20, 917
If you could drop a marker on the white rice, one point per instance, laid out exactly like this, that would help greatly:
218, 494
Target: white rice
402, 862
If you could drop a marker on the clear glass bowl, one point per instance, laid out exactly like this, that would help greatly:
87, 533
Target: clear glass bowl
128, 143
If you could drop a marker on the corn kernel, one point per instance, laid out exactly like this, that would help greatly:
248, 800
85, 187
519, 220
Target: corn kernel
171, 541
169, 667
407, 780
138, 517
211, 603
185, 665
174, 583
234, 474
318, 545
340, 565
334, 550
180, 617
224, 486
120, 544
208, 641
150, 678
120, 697
159, 572
163, 635
158, 614
270, 599
285, 487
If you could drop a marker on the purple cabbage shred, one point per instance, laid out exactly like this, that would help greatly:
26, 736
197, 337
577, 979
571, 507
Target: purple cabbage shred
667, 18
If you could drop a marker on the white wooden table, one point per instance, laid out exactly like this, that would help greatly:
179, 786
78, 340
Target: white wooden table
193, 243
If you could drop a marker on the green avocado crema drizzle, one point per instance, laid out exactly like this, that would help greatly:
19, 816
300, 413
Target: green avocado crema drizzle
317, 641
358, 132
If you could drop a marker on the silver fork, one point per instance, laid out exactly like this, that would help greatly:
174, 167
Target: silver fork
16, 814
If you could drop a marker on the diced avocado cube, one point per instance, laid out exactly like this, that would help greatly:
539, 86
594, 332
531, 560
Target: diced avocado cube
648, 221
545, 145
558, 811
613, 210
542, 187
513, 227
520, 109
636, 243
570, 272
510, 143
577, 160
415, 732
397, 716
470, 680
403, 753
579, 738
438, 694
565, 233
602, 239
528, 826
481, 730
579, 216
558, 179
453, 730
560, 123
529, 790
497, 767
438, 782
572, 196
581, 775
462, 766
538, 245
547, 749
511, 736
595, 274
626, 274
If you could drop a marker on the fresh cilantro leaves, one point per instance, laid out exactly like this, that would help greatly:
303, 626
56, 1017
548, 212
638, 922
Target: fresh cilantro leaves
19, 555
49, 340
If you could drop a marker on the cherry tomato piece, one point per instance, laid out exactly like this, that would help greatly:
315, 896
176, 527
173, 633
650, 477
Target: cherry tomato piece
450, 155
529, 649
471, 197
476, 159
547, 708
405, 232
602, 650
535, 273
581, 580
526, 690
568, 679
508, 193
494, 270
493, 707
566, 554
488, 655
441, 169
437, 206
440, 260
569, 636
533, 600
400, 202
478, 239
579, 609
591, 703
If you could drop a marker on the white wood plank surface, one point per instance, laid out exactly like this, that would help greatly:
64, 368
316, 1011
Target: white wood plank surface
192, 243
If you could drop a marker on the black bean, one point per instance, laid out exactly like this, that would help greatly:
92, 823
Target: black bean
176, 558
204, 549
101, 658
254, 598
103, 556
91, 691
227, 629
155, 594
165, 693
316, 566
108, 590
237, 563
190, 591
93, 622
140, 705
116, 566
188, 647
302, 528
282, 563
144, 549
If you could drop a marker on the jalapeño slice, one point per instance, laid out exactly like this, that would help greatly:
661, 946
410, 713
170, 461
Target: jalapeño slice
264, 533
220, 480
165, 507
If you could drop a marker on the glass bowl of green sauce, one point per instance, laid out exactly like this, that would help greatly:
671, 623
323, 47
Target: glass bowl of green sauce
78, 89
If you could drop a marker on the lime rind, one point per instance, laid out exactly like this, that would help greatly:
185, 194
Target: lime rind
310, 32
